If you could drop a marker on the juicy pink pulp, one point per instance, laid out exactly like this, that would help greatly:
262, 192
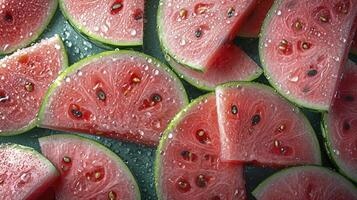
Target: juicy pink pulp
194, 31
188, 164
88, 170
20, 20
24, 173
304, 48
109, 21
24, 79
259, 126
120, 95
342, 123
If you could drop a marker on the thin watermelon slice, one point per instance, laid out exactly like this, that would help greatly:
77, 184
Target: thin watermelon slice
110, 22
233, 65
121, 94
25, 77
251, 27
187, 162
340, 124
192, 32
88, 170
23, 21
24, 173
259, 126
304, 46
308, 182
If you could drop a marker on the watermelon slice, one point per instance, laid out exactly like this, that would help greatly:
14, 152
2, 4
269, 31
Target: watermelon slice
259, 126
187, 162
88, 170
121, 94
25, 77
232, 65
192, 32
23, 21
251, 27
308, 182
24, 173
340, 124
110, 22
304, 46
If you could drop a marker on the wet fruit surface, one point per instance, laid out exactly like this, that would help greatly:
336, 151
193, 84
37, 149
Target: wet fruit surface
194, 31
308, 182
21, 21
123, 95
24, 173
188, 164
88, 170
115, 22
341, 124
24, 79
259, 126
304, 46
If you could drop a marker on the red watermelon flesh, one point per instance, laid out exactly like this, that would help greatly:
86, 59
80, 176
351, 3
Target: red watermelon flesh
88, 170
24, 173
306, 183
22, 21
304, 46
259, 126
192, 32
252, 26
233, 64
341, 124
187, 165
25, 77
121, 94
113, 22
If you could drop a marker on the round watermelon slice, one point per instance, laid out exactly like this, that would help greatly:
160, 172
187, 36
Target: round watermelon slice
24, 173
233, 65
23, 21
121, 94
192, 32
88, 170
252, 25
259, 126
187, 164
340, 124
308, 182
110, 22
25, 77
304, 46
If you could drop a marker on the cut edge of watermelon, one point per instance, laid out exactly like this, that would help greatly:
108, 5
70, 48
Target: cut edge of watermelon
64, 61
72, 69
38, 33
165, 137
94, 37
297, 102
101, 147
273, 91
287, 171
330, 152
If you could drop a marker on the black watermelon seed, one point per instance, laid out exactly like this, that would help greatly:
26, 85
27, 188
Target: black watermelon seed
76, 113
255, 119
101, 95
346, 126
312, 72
349, 98
234, 110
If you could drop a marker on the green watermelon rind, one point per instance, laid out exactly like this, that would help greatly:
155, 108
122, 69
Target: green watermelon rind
198, 84
260, 188
33, 123
300, 103
75, 67
114, 157
329, 149
299, 113
96, 38
165, 138
36, 34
